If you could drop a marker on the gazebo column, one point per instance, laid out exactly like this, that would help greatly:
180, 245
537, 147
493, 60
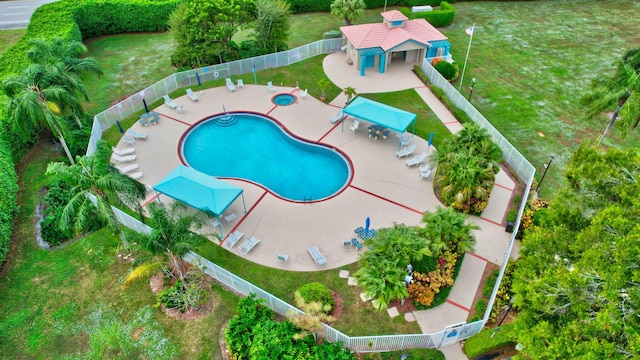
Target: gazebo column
383, 62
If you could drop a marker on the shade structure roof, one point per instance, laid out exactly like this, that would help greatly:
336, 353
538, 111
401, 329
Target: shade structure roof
381, 114
198, 190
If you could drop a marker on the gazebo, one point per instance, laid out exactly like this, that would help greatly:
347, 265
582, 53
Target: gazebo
200, 191
381, 114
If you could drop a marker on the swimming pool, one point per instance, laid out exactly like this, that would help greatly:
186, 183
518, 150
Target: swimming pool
259, 149
283, 99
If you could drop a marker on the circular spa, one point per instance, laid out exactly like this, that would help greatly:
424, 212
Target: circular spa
258, 149
283, 99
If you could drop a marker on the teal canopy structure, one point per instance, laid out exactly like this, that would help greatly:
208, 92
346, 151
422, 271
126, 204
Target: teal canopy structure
381, 114
201, 191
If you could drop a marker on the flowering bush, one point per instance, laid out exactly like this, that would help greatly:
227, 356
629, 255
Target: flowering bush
527, 219
424, 287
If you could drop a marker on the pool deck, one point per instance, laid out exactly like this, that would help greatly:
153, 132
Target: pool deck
382, 188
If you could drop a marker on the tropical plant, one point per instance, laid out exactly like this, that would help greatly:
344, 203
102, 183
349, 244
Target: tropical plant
382, 279
348, 10
310, 321
617, 90
172, 235
401, 244
94, 175
448, 230
323, 84
350, 92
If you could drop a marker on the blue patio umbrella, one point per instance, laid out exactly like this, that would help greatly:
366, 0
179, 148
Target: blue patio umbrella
146, 108
367, 222
198, 79
120, 127
430, 140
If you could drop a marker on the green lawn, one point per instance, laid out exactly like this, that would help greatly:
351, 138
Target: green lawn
10, 37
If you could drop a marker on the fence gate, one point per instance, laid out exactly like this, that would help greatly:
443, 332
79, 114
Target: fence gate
451, 334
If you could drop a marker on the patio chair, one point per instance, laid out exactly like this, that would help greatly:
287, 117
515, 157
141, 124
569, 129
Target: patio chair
240, 84
123, 152
354, 126
425, 174
137, 135
128, 140
385, 134
192, 95
128, 168
405, 139
230, 85
143, 121
303, 94
425, 167
317, 255
346, 245
121, 159
229, 218
356, 243
248, 245
406, 151
337, 117
180, 109
271, 87
214, 222
169, 102
416, 160
283, 258
232, 239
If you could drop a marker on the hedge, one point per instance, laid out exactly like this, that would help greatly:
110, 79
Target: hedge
482, 342
71, 20
437, 17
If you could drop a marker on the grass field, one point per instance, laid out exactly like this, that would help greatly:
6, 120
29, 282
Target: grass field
10, 37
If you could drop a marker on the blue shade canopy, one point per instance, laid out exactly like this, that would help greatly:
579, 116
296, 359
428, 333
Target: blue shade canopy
198, 190
381, 114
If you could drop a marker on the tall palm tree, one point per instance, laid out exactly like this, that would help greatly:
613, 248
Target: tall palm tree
64, 59
448, 226
36, 98
94, 175
616, 91
348, 10
171, 235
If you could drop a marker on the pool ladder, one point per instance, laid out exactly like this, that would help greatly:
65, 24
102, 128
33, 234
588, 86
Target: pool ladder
226, 120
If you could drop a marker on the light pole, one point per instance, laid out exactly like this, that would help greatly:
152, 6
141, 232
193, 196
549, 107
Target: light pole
513, 299
473, 84
385, 6
546, 168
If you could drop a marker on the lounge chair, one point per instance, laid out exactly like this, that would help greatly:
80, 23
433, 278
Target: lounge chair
128, 140
137, 135
416, 160
180, 109
271, 87
230, 85
354, 126
337, 117
317, 255
232, 239
405, 139
248, 245
192, 95
425, 167
425, 174
240, 84
121, 159
123, 152
303, 94
135, 175
406, 151
169, 102
128, 168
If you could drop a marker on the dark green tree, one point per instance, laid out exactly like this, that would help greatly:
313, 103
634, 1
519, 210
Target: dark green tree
272, 25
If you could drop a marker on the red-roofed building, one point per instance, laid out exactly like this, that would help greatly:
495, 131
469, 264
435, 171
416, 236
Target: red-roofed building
396, 38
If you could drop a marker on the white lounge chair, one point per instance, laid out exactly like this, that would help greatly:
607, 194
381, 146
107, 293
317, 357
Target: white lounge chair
240, 84
169, 102
128, 168
337, 117
214, 222
135, 175
425, 174
417, 160
192, 95
354, 126
137, 135
303, 94
405, 139
317, 255
232, 239
128, 140
123, 152
229, 218
121, 159
406, 151
230, 85
425, 167
248, 245
180, 109
271, 87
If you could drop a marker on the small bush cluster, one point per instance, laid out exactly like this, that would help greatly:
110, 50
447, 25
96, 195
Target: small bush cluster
58, 195
317, 292
185, 296
437, 17
332, 34
424, 287
488, 340
446, 69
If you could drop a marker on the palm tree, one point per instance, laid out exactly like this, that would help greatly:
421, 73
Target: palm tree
63, 59
617, 91
382, 279
350, 92
348, 10
401, 244
465, 178
448, 226
35, 97
171, 235
94, 175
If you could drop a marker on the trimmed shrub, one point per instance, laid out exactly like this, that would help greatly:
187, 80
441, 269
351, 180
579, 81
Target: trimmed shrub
332, 34
490, 283
301, 6
317, 292
446, 69
437, 17
482, 342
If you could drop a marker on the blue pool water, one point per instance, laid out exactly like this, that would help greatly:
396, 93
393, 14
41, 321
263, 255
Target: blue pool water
252, 147
283, 99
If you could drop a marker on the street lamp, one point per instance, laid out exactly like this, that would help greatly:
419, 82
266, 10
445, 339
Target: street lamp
546, 168
473, 84
513, 299
385, 6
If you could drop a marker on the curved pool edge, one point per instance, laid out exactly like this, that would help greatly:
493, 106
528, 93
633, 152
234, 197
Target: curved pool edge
341, 153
